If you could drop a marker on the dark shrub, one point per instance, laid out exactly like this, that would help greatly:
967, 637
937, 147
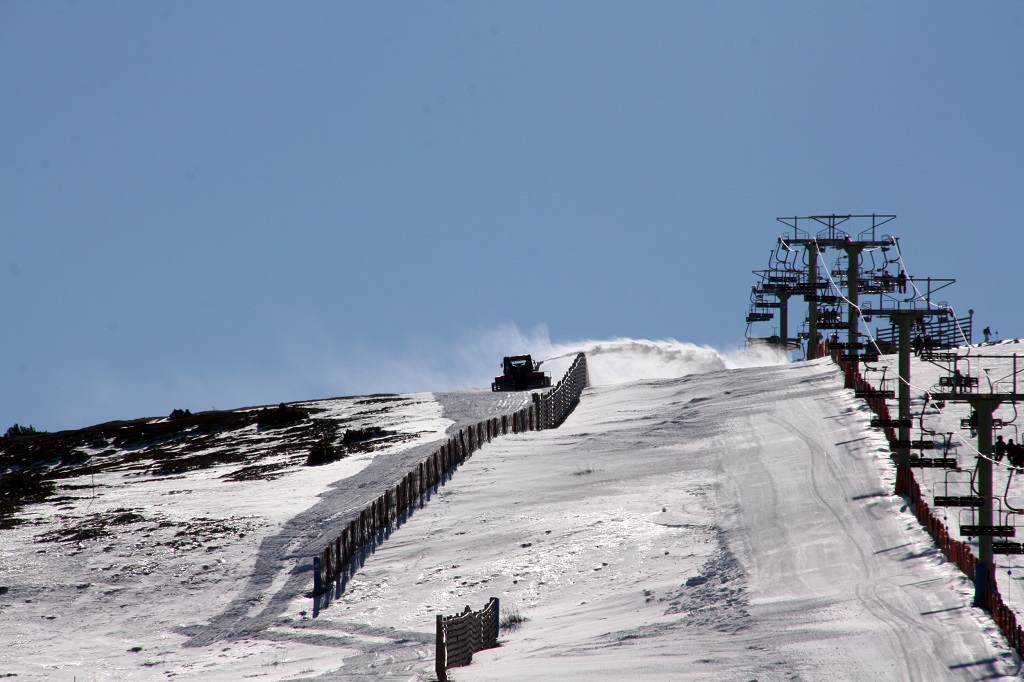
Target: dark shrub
18, 430
323, 450
18, 488
353, 436
279, 416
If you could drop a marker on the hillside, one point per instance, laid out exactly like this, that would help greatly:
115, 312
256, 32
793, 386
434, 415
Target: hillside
733, 524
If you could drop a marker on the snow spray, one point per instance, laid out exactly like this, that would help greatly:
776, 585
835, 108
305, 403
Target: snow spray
622, 360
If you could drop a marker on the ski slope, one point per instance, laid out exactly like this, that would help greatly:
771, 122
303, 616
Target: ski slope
730, 525
733, 524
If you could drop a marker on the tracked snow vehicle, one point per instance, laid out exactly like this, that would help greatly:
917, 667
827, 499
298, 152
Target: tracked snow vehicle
521, 373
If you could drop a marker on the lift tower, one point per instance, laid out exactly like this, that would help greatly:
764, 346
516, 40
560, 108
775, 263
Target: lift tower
783, 279
915, 309
833, 237
904, 318
984, 405
782, 288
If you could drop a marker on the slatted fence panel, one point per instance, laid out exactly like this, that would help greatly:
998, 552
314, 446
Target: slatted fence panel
462, 635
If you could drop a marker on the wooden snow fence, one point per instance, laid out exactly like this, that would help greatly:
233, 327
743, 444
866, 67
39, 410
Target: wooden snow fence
955, 551
462, 635
555, 405
548, 411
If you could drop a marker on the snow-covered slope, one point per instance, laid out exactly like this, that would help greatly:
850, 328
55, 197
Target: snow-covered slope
994, 365
736, 524
732, 525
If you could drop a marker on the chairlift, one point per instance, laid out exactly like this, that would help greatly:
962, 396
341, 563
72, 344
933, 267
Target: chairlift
958, 381
1004, 515
920, 422
1012, 455
1006, 493
955, 498
948, 443
971, 511
1004, 528
871, 354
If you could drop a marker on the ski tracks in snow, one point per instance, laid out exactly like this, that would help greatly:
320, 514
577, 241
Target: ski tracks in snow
838, 529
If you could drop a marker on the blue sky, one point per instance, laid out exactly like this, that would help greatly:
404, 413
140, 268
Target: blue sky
235, 203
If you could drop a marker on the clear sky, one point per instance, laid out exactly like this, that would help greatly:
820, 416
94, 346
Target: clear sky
235, 203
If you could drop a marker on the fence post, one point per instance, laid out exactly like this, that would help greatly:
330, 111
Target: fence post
497, 619
440, 658
337, 553
317, 582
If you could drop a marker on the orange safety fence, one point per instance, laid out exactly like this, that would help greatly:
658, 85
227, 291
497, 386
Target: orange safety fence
956, 551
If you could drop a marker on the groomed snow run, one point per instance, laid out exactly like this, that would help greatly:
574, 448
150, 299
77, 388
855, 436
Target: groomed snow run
733, 525
736, 524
